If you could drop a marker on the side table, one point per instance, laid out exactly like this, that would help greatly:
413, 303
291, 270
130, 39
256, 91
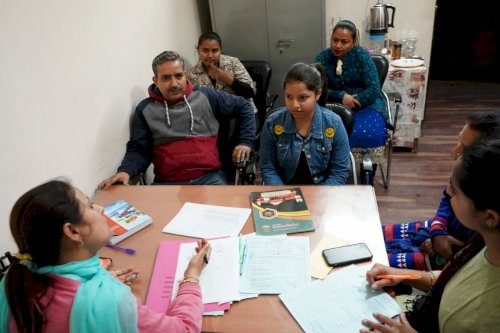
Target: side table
410, 83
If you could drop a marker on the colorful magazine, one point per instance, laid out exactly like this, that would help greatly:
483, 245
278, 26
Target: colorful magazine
280, 212
124, 220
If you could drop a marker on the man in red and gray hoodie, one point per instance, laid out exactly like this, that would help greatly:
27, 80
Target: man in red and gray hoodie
176, 129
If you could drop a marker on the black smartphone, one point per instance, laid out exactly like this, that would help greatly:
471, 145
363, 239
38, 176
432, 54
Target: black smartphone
345, 255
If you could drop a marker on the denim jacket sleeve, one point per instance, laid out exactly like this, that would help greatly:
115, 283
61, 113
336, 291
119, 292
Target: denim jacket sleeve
268, 154
339, 159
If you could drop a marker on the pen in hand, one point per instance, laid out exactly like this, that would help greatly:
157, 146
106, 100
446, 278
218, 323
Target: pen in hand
121, 248
402, 277
201, 244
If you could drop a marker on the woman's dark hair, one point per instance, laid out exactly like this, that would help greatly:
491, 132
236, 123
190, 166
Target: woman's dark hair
324, 93
346, 24
307, 74
209, 36
36, 223
475, 175
486, 123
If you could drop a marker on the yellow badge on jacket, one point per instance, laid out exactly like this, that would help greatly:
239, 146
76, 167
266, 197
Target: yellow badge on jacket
329, 132
278, 129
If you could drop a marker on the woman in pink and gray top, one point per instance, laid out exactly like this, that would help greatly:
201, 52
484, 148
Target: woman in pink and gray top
56, 282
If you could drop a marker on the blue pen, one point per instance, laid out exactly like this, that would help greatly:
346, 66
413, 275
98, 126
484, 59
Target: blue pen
243, 260
121, 248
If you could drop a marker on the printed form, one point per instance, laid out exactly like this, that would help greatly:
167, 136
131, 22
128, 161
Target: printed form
338, 303
272, 264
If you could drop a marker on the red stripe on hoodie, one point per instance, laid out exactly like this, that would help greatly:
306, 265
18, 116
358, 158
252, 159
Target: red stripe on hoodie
187, 159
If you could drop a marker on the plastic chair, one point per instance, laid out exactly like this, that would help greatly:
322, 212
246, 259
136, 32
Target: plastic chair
382, 65
347, 117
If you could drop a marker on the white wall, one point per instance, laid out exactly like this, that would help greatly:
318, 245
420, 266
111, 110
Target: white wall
412, 19
72, 73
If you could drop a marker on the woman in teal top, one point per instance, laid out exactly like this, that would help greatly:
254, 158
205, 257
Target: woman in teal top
353, 81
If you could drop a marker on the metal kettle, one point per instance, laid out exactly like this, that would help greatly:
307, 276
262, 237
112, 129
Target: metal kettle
379, 18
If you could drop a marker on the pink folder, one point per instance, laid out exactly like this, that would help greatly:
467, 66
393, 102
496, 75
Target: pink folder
163, 279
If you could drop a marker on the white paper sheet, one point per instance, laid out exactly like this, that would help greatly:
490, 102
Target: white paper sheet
338, 303
219, 279
207, 221
275, 264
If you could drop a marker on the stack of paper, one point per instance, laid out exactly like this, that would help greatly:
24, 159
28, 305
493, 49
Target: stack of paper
338, 303
239, 267
219, 280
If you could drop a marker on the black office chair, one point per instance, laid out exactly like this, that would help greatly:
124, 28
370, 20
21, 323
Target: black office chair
228, 138
5, 262
261, 72
347, 117
382, 65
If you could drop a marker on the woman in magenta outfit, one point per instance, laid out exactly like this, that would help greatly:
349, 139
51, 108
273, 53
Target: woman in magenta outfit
56, 282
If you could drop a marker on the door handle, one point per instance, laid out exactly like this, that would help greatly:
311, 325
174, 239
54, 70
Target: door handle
285, 43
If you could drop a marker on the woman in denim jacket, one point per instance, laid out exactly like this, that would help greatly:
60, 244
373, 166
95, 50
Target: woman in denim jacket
304, 143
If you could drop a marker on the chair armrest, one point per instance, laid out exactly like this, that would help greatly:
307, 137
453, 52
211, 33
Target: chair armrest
393, 115
271, 99
395, 96
140, 179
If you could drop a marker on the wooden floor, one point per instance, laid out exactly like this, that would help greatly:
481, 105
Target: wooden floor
418, 179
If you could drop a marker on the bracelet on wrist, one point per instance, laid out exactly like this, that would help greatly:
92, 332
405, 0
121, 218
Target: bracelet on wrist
189, 279
432, 278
